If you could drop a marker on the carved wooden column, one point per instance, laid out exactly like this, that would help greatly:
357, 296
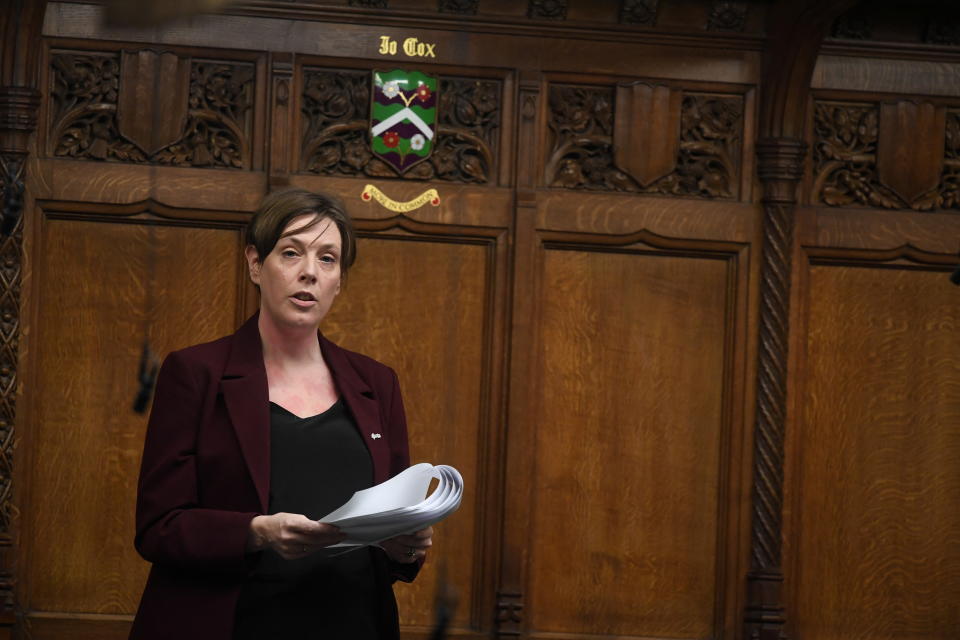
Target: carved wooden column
780, 167
510, 616
20, 25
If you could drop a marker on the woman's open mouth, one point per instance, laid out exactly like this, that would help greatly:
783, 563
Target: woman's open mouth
303, 299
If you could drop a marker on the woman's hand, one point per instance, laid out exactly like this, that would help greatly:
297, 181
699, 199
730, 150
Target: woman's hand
409, 548
291, 535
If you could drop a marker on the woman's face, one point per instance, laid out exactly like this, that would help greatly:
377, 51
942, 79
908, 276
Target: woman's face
300, 278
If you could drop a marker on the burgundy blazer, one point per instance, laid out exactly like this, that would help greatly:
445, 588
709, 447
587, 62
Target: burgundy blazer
206, 473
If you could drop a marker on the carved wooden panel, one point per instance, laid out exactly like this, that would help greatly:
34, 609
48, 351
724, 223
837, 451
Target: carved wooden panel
626, 526
845, 142
581, 121
85, 89
336, 122
878, 482
641, 12
78, 530
10, 281
442, 363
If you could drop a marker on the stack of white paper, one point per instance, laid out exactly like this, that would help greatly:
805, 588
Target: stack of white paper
398, 506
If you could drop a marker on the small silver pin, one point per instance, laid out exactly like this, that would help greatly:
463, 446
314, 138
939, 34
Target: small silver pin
375, 435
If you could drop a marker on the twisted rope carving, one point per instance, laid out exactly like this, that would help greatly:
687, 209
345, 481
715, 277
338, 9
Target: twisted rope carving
771, 381
780, 169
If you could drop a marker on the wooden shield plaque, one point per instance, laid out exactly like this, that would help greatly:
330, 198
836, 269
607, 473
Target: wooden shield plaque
646, 131
909, 133
153, 101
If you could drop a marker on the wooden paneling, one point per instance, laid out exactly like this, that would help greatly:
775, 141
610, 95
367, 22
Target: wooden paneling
77, 627
93, 306
878, 480
423, 306
580, 344
626, 525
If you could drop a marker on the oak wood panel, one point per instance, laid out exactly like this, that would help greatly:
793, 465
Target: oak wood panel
423, 307
91, 280
460, 205
727, 59
668, 217
626, 526
76, 627
910, 77
80, 181
927, 231
878, 552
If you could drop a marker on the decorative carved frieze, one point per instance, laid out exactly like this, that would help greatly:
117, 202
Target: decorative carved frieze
11, 183
548, 9
942, 30
726, 15
853, 25
582, 156
86, 91
336, 111
642, 12
369, 4
463, 7
845, 161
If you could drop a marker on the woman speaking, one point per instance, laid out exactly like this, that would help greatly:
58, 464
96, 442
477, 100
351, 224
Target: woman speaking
255, 436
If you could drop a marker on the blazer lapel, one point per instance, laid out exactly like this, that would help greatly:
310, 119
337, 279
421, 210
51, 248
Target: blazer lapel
245, 392
363, 405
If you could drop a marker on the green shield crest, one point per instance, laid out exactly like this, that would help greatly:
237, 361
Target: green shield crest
403, 117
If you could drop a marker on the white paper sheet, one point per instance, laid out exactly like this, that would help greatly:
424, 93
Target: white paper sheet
399, 505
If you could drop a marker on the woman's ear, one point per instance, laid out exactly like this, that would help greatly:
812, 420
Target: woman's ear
253, 263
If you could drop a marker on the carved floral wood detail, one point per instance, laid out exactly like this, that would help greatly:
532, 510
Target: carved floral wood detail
85, 91
336, 113
845, 139
10, 260
582, 156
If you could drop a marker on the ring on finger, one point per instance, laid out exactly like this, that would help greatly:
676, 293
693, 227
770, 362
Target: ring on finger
411, 553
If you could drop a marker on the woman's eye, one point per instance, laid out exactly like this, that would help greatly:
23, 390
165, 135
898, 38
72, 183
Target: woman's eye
288, 253
328, 259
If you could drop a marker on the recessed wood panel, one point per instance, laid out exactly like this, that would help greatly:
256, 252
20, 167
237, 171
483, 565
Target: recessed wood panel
421, 307
87, 441
879, 483
625, 525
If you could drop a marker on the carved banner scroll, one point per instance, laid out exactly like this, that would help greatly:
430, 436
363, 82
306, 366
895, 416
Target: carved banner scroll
908, 133
646, 131
152, 104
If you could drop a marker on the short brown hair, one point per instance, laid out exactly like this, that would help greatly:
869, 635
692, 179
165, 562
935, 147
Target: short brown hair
280, 207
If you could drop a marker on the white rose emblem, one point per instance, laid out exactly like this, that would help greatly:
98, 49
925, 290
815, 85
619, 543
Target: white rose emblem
391, 89
417, 142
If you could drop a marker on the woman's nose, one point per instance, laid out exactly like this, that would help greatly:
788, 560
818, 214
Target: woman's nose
309, 272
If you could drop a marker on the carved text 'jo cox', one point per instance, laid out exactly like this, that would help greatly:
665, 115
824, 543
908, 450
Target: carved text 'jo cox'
411, 47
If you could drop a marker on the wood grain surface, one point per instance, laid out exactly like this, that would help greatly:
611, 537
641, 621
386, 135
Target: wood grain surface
628, 439
423, 308
90, 333
879, 484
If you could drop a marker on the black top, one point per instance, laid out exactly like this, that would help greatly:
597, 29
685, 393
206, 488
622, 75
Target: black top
316, 464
